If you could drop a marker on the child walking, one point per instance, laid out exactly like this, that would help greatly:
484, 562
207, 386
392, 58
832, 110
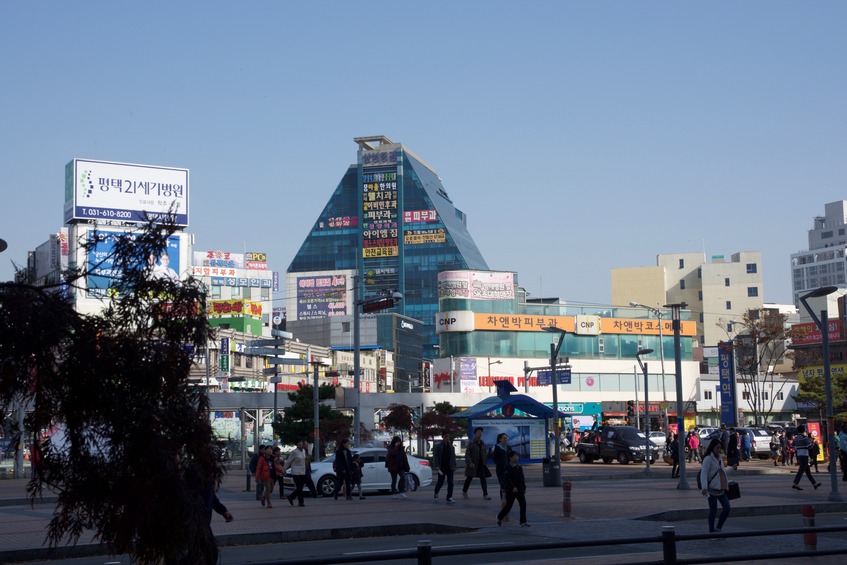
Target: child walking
356, 476
515, 487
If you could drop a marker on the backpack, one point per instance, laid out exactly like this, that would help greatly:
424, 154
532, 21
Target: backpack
254, 463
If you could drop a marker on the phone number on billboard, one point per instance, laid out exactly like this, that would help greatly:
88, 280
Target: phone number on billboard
106, 213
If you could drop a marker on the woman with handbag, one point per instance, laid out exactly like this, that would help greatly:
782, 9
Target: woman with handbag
715, 484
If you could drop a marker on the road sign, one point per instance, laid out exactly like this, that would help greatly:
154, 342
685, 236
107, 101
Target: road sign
269, 371
265, 342
282, 334
544, 376
285, 361
264, 351
224, 362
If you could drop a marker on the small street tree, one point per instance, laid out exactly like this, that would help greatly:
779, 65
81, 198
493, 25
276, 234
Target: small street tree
299, 419
437, 421
400, 417
131, 455
760, 349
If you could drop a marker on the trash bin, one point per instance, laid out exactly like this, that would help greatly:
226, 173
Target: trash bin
550, 472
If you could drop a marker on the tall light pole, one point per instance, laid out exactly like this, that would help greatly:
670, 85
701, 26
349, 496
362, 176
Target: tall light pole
649, 452
367, 305
659, 316
489, 371
823, 326
555, 469
680, 408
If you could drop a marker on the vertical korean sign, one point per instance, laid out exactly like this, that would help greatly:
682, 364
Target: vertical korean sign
726, 371
380, 222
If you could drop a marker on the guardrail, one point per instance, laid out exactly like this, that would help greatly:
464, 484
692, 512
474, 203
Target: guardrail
424, 553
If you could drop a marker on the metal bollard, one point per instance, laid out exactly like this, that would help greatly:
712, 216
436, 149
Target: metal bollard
668, 544
810, 539
566, 499
424, 552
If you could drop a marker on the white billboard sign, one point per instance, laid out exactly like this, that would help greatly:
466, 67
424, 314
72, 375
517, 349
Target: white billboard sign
124, 192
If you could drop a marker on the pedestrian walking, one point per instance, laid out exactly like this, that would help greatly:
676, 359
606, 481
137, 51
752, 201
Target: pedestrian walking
675, 456
693, 446
724, 438
714, 485
343, 467
296, 461
444, 461
398, 466
814, 452
252, 465
842, 450
790, 450
266, 473
774, 446
356, 475
802, 444
309, 482
746, 444
783, 447
475, 456
500, 455
515, 487
732, 452
280, 476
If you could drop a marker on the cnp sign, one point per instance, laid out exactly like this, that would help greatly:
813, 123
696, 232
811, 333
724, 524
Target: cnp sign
454, 321
587, 325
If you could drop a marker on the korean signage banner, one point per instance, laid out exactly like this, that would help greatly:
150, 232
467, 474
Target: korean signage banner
476, 285
444, 376
104, 273
232, 308
124, 192
808, 333
726, 370
530, 323
252, 261
321, 296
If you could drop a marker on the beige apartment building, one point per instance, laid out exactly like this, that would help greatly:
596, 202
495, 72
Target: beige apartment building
715, 291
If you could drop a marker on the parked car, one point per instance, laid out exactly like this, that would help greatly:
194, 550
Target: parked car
624, 443
659, 438
761, 447
375, 475
706, 435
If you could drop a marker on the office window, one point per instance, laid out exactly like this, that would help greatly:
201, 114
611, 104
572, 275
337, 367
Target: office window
780, 396
700, 295
701, 317
752, 291
707, 395
765, 395
745, 395
682, 284
682, 263
752, 268
729, 304
699, 272
726, 281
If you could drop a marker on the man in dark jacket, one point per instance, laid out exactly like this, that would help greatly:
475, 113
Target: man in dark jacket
343, 466
444, 462
515, 490
475, 456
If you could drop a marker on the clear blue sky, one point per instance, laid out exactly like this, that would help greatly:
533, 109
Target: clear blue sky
578, 137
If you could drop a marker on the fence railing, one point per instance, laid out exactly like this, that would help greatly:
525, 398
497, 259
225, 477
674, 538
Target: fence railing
425, 554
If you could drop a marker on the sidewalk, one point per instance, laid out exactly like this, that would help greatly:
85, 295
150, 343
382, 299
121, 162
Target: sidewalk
607, 501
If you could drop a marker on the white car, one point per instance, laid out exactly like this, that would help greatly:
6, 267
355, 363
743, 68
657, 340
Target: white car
375, 475
659, 438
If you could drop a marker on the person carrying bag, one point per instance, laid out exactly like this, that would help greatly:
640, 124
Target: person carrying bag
714, 484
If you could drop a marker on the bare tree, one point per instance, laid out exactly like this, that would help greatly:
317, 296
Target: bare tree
132, 454
760, 348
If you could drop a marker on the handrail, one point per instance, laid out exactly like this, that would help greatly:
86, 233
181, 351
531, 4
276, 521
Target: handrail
425, 552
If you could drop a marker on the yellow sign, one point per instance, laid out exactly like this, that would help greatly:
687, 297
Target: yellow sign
836, 370
371, 252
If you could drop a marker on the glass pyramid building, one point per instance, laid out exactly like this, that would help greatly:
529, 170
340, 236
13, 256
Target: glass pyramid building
391, 220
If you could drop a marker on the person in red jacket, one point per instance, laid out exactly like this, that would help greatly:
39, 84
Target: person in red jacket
266, 473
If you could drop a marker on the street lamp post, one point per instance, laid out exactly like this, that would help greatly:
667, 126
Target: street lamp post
643, 365
823, 326
680, 409
369, 305
489, 371
659, 316
555, 468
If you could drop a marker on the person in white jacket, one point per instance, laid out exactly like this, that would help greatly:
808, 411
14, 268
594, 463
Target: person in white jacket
297, 463
715, 484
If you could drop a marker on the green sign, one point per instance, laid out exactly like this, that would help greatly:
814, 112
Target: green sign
224, 363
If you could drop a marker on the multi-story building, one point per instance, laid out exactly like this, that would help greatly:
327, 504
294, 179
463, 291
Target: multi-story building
389, 226
822, 264
715, 292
